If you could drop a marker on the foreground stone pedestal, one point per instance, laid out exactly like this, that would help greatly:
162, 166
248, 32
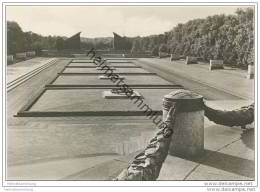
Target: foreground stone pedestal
163, 54
188, 137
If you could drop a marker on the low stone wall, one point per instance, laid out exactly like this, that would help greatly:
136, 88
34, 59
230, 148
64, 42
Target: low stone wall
216, 64
191, 60
20, 55
10, 59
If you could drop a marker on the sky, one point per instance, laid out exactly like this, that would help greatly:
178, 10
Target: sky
101, 21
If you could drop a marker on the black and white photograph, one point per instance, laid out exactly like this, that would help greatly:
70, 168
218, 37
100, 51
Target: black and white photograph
128, 94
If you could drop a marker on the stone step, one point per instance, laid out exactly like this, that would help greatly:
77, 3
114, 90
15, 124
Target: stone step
104, 171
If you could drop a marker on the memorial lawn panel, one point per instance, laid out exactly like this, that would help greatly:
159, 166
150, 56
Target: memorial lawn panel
73, 100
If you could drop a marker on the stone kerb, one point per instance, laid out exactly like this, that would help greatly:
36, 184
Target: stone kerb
188, 137
216, 64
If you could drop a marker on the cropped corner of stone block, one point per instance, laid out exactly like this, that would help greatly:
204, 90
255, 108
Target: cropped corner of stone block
191, 60
110, 95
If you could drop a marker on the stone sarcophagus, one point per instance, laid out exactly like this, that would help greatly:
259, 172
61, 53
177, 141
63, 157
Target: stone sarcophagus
20, 55
188, 137
174, 57
163, 54
191, 60
251, 71
31, 54
216, 64
10, 59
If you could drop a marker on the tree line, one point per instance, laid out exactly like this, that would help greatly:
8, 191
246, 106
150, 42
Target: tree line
19, 41
226, 37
